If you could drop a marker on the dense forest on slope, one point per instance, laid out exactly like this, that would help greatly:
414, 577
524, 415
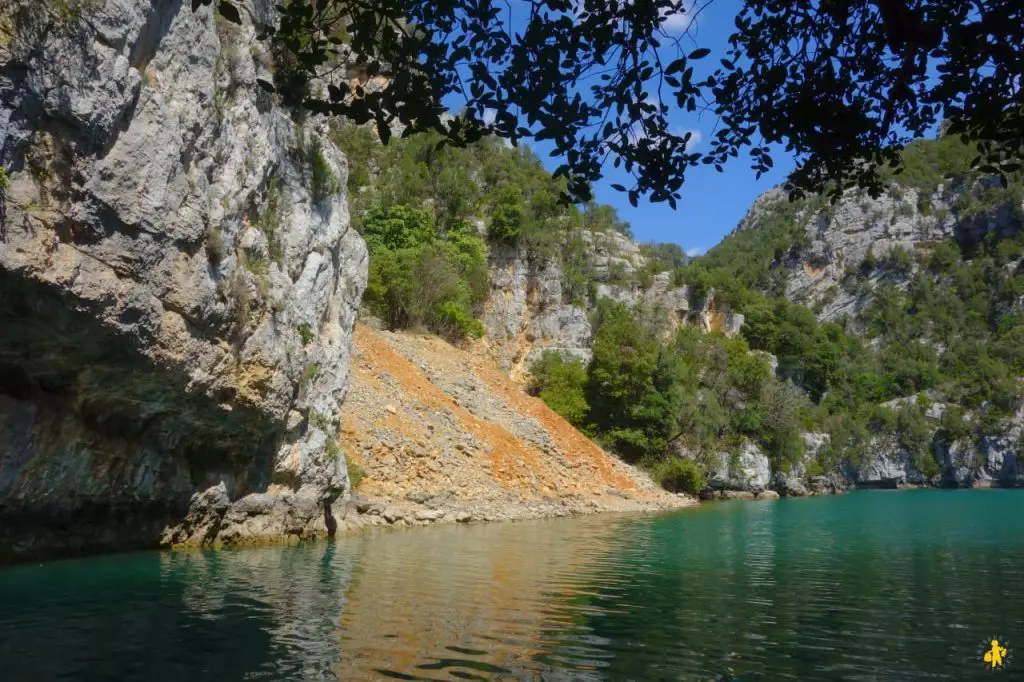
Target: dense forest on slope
429, 215
941, 323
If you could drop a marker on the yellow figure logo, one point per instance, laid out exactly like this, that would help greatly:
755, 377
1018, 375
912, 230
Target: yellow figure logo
995, 655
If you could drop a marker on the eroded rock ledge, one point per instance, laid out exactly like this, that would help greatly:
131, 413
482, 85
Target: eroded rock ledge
177, 294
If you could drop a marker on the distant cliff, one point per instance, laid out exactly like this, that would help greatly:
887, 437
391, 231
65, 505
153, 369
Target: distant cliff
929, 277
530, 309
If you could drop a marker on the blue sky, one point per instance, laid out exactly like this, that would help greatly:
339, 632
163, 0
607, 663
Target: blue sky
712, 203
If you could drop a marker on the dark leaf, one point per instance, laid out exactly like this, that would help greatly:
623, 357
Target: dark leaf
229, 12
265, 85
677, 65
383, 130
699, 53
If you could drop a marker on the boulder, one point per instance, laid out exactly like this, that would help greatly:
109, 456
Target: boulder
747, 470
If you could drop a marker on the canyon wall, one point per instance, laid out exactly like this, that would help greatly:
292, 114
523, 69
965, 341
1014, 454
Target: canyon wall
178, 285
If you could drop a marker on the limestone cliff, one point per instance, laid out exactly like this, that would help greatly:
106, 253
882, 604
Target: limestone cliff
836, 240
530, 309
837, 257
178, 285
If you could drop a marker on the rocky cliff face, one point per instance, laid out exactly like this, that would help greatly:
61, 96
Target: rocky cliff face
838, 239
839, 260
178, 286
530, 310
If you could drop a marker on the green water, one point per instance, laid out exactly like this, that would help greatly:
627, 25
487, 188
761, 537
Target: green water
867, 586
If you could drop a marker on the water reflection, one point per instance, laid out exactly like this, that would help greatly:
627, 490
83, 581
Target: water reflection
871, 586
461, 602
295, 596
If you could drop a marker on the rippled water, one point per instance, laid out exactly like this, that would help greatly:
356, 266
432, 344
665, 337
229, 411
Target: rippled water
868, 586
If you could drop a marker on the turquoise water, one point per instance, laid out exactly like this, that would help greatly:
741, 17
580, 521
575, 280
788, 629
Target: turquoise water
867, 586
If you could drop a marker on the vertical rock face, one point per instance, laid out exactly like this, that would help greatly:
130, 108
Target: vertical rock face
526, 313
886, 465
748, 470
178, 286
839, 238
530, 309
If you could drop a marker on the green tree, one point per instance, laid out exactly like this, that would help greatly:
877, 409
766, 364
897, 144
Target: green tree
604, 218
508, 214
697, 278
781, 405
397, 227
561, 384
422, 285
679, 474
621, 386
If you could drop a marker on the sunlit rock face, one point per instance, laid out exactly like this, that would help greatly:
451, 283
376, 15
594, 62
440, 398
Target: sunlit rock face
178, 286
533, 308
838, 238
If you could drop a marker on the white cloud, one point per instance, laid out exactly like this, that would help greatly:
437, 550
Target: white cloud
675, 22
695, 137
679, 22
696, 251
489, 116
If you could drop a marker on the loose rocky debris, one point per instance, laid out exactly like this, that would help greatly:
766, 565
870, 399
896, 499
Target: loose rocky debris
443, 436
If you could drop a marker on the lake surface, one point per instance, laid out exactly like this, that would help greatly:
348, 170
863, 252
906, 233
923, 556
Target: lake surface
867, 586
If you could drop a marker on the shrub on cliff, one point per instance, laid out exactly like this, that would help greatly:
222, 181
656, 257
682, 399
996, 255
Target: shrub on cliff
452, 320
429, 285
396, 227
679, 474
604, 218
508, 214
418, 277
561, 384
323, 181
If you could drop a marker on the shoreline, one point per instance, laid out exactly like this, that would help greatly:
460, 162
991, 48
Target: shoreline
360, 514
363, 515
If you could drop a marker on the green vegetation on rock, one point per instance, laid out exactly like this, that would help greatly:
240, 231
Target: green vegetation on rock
430, 216
940, 322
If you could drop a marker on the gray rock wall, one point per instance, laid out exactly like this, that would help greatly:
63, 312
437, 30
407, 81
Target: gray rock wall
176, 307
747, 471
840, 237
529, 311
